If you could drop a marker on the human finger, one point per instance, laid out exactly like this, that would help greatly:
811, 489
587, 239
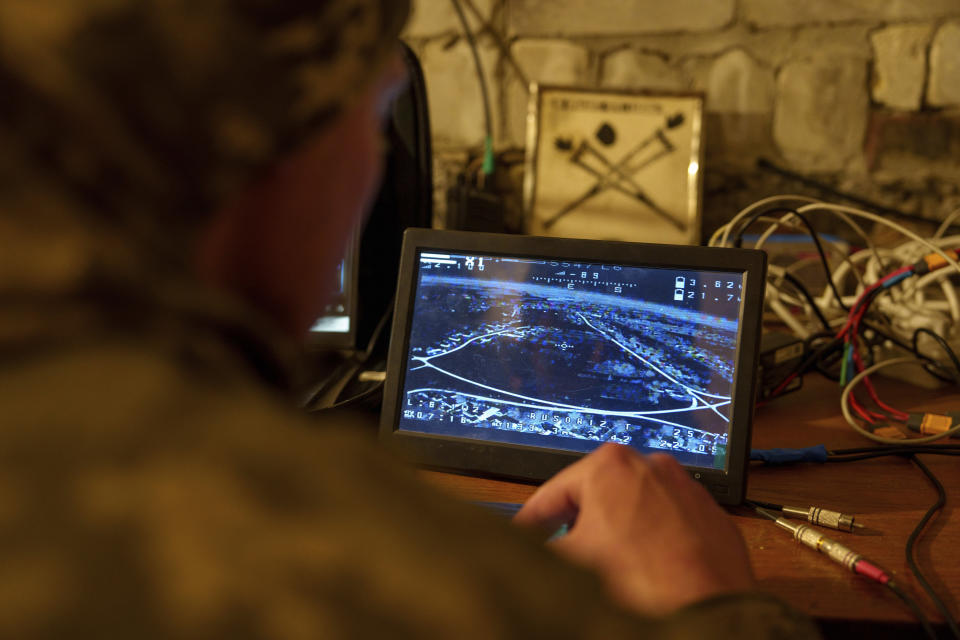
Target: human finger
558, 501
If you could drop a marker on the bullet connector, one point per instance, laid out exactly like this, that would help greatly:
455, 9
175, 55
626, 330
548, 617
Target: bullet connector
823, 518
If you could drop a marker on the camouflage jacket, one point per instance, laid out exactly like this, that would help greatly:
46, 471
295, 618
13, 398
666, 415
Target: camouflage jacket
155, 482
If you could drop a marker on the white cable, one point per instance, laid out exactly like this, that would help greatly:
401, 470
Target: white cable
845, 407
773, 301
769, 232
949, 293
907, 304
824, 301
780, 277
841, 271
725, 230
946, 223
878, 219
826, 298
784, 314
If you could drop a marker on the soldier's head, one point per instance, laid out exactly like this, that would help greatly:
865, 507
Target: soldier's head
236, 140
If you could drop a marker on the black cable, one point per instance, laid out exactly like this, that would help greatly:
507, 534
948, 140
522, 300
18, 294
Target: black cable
488, 119
899, 451
914, 607
843, 452
940, 341
911, 541
378, 330
360, 397
868, 452
498, 40
796, 284
816, 355
893, 449
823, 258
825, 364
763, 509
738, 241
886, 336
810, 361
764, 505
834, 348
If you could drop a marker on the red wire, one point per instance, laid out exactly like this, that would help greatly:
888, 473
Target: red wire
783, 385
852, 330
856, 313
896, 413
855, 405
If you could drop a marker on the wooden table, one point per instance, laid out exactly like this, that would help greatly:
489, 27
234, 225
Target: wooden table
888, 495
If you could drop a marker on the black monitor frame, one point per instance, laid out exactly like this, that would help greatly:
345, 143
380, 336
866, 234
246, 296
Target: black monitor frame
526, 463
343, 340
405, 200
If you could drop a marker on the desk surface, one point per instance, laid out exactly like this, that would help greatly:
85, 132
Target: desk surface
888, 495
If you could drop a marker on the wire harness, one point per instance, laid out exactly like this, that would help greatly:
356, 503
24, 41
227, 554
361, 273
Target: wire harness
877, 304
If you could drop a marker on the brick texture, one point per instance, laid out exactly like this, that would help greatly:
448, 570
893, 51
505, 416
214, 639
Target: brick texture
453, 93
821, 112
900, 62
606, 17
546, 62
788, 13
944, 87
631, 69
437, 17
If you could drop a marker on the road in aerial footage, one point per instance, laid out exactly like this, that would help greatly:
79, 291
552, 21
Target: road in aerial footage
519, 354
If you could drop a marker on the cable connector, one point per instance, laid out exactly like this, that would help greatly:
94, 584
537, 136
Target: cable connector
823, 517
889, 431
933, 423
837, 552
934, 261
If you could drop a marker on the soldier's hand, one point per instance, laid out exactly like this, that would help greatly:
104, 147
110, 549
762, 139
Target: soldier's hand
656, 537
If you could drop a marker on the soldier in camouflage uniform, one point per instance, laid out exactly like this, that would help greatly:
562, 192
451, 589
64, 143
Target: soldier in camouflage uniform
155, 480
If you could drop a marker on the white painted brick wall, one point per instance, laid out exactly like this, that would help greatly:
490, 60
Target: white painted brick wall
739, 84
437, 17
788, 13
944, 86
453, 93
900, 58
821, 112
546, 62
632, 69
614, 17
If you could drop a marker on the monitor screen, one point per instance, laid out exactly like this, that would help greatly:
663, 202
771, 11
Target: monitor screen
336, 313
567, 354
336, 328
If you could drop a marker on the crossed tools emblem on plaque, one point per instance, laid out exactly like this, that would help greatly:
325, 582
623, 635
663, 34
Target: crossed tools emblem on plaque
620, 175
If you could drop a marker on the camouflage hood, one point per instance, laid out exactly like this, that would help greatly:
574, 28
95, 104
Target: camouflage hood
125, 123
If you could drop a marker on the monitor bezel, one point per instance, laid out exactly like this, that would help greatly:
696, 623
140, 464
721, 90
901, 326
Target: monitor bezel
343, 340
535, 464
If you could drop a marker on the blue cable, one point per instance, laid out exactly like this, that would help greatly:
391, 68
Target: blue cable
775, 457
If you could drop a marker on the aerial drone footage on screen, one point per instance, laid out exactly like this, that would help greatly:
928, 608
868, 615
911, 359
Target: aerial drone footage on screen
568, 355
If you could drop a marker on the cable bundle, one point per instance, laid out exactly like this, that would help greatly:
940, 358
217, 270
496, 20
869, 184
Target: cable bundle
877, 301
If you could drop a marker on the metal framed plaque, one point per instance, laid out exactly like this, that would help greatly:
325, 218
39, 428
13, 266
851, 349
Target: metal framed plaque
614, 165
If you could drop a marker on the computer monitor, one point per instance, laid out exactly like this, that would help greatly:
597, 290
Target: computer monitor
366, 279
337, 327
514, 355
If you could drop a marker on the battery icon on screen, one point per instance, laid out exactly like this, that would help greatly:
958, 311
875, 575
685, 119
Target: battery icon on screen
678, 295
